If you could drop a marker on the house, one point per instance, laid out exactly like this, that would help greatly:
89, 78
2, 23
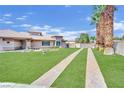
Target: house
39, 41
70, 44
58, 41
12, 40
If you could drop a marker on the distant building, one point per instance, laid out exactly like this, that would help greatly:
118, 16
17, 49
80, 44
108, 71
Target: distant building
12, 40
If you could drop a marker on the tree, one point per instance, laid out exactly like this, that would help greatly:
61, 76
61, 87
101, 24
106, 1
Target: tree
109, 14
92, 38
97, 19
84, 38
77, 40
105, 15
123, 37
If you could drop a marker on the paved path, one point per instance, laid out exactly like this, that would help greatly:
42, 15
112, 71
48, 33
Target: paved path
94, 78
49, 77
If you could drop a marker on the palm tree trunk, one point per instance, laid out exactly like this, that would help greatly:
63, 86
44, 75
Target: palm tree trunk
109, 14
102, 30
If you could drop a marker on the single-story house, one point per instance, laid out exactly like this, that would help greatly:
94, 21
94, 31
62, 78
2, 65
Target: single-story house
12, 40
70, 44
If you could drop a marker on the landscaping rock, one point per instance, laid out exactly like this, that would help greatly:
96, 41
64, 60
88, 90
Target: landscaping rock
108, 51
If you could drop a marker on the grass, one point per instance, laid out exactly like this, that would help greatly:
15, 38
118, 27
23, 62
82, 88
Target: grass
112, 68
74, 75
27, 67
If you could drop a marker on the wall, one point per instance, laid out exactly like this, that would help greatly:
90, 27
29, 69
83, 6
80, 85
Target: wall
78, 45
72, 45
28, 44
64, 45
52, 43
17, 44
1, 44
8, 44
36, 44
87, 45
119, 47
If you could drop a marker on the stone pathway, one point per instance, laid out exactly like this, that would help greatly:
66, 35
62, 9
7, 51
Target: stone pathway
49, 77
94, 78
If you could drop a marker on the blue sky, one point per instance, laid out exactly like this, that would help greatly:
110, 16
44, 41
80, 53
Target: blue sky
69, 21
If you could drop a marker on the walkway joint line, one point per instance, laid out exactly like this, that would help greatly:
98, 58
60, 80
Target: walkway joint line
94, 77
47, 79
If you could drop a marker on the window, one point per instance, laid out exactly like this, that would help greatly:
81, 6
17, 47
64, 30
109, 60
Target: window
45, 43
58, 43
8, 42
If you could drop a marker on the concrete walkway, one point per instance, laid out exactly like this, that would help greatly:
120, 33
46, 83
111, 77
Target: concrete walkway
49, 77
94, 78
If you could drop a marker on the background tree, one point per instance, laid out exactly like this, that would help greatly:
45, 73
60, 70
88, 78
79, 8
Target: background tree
84, 38
123, 37
92, 39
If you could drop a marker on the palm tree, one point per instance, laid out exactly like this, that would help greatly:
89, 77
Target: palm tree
103, 17
95, 20
98, 19
109, 14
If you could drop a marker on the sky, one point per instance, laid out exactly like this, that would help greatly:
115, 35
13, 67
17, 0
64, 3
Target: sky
68, 21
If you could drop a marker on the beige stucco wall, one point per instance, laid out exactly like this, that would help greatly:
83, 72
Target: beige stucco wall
8, 44
52, 43
11, 44
38, 44
28, 44
78, 45
119, 48
17, 44
72, 45
1, 44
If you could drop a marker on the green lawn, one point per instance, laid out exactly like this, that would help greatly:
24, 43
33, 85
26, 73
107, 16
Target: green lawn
74, 75
112, 68
27, 67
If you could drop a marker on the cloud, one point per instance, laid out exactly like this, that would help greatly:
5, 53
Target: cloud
50, 30
25, 25
8, 22
36, 28
22, 17
68, 34
119, 26
7, 15
45, 27
30, 13
88, 18
1, 20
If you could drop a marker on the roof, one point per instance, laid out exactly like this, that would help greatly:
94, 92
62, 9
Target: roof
57, 36
23, 35
35, 32
43, 38
14, 34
